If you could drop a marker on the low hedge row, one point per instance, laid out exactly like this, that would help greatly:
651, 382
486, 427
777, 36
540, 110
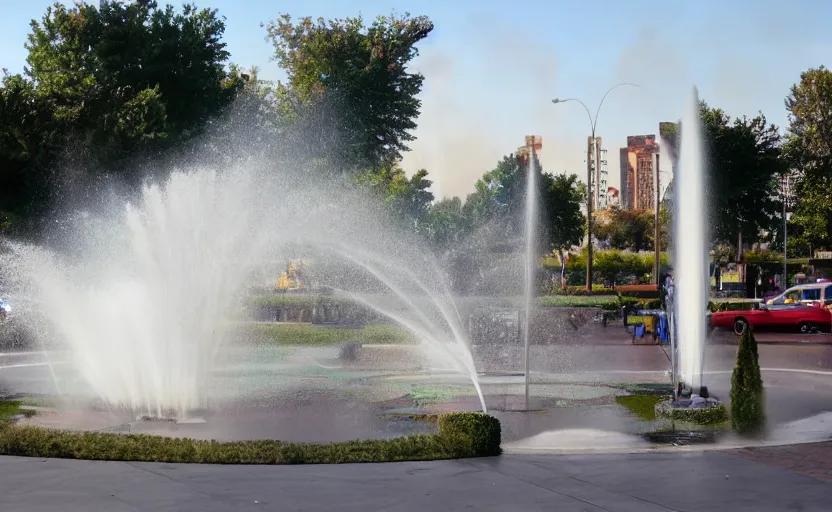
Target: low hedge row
460, 435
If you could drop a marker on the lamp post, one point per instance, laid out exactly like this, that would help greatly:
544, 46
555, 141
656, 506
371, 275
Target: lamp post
593, 122
785, 191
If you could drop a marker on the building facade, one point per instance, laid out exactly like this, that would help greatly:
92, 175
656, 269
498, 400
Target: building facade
637, 190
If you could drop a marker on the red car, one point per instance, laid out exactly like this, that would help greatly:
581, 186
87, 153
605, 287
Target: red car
798, 317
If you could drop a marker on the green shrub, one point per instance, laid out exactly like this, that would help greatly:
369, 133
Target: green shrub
597, 289
711, 415
638, 302
477, 434
616, 266
747, 398
460, 435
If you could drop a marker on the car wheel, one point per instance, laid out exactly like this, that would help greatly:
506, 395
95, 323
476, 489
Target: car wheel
807, 328
740, 326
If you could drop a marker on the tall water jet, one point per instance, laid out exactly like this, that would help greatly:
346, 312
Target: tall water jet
690, 247
532, 143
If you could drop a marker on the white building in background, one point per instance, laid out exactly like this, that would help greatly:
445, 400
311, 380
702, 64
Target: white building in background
613, 197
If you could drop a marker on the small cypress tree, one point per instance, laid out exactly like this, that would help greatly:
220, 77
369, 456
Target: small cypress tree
747, 414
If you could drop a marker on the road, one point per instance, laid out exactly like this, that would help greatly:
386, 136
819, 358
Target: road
654, 482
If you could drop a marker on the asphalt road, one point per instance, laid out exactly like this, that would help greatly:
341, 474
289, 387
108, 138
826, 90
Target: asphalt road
653, 482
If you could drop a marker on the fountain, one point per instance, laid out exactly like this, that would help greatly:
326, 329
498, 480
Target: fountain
532, 143
690, 251
142, 309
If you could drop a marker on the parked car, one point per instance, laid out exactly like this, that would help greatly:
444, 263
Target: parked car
782, 317
810, 294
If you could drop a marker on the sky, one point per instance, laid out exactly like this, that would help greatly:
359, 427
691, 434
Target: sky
492, 68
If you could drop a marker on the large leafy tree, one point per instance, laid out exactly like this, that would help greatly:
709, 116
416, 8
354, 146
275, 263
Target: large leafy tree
809, 151
103, 83
408, 198
446, 226
360, 74
128, 73
563, 222
626, 229
499, 202
744, 162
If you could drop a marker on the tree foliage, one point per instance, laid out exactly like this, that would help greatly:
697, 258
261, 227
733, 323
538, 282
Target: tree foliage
359, 72
495, 211
105, 83
744, 165
632, 229
809, 150
408, 198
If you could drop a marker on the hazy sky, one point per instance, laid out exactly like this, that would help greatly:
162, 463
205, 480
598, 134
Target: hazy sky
492, 67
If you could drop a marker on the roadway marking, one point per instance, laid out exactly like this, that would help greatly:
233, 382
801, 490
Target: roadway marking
29, 365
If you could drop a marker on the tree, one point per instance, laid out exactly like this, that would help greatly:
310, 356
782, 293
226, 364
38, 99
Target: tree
360, 72
408, 198
744, 164
446, 226
104, 84
130, 73
747, 399
564, 224
26, 136
626, 229
809, 152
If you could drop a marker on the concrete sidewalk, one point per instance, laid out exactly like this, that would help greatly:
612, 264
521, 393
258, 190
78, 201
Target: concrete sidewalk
654, 482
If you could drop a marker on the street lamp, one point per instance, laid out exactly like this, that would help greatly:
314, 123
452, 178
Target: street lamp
786, 193
593, 122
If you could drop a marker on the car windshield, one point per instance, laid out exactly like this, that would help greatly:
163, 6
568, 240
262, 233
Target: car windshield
790, 297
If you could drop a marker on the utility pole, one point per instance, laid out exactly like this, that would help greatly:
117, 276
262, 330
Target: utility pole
589, 211
593, 122
785, 192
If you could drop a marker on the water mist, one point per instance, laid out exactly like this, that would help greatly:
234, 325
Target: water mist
143, 308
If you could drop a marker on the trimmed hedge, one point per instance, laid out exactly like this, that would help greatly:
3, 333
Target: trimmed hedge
478, 434
712, 415
460, 435
323, 335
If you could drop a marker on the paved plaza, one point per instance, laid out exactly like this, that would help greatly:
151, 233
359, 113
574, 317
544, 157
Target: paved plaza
771, 478
737, 481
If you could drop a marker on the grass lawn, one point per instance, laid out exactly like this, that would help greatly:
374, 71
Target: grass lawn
321, 335
9, 408
460, 435
641, 406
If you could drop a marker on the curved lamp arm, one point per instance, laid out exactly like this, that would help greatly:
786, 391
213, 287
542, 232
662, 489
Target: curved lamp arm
598, 111
593, 122
588, 113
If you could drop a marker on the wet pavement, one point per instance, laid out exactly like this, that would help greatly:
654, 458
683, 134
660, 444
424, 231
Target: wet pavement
654, 482
300, 395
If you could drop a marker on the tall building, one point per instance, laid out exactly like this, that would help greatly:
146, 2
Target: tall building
597, 157
637, 185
